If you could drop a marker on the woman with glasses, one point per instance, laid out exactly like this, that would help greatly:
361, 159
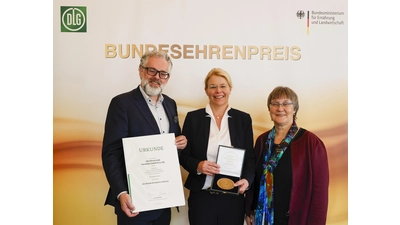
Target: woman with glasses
213, 201
292, 176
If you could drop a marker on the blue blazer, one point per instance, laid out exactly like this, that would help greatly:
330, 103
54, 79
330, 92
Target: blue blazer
129, 116
196, 128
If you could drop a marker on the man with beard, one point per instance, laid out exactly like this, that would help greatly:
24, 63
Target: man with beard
142, 111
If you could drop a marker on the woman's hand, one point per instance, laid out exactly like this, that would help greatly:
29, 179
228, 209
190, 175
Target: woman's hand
208, 168
249, 219
243, 185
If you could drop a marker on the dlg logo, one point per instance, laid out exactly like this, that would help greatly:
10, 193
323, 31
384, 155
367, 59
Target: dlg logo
73, 19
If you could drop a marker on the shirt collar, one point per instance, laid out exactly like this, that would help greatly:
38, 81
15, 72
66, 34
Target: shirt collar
210, 114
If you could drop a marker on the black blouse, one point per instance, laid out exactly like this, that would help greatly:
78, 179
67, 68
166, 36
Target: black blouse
282, 185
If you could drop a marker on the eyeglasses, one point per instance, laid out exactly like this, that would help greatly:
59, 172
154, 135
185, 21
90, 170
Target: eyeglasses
213, 86
152, 72
277, 104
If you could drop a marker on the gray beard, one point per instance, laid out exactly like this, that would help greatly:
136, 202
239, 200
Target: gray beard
150, 91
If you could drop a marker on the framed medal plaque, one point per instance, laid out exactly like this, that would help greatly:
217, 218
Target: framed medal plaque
230, 160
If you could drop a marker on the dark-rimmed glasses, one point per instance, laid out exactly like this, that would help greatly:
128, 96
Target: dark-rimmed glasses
152, 72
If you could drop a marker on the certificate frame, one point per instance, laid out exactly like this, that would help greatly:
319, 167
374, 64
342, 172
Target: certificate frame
231, 161
153, 172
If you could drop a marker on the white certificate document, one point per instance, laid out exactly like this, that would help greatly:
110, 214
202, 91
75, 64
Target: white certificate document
153, 171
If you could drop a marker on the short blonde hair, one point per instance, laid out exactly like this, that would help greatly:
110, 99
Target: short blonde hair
218, 72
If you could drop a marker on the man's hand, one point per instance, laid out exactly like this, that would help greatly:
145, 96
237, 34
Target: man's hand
126, 205
180, 142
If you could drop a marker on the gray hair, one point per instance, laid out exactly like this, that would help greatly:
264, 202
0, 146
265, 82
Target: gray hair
285, 92
155, 53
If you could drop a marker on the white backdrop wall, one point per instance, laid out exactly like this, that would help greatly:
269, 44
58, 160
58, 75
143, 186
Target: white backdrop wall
261, 43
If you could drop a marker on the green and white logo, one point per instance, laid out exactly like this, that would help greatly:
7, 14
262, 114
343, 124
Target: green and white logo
73, 19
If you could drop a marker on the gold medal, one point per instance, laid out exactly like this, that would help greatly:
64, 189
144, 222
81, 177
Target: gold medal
225, 184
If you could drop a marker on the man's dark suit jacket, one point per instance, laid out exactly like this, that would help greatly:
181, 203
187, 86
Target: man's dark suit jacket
129, 116
196, 128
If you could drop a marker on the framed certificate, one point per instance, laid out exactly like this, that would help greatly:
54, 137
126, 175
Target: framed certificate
230, 160
153, 172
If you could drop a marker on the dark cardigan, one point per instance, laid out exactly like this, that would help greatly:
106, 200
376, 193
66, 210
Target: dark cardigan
310, 179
